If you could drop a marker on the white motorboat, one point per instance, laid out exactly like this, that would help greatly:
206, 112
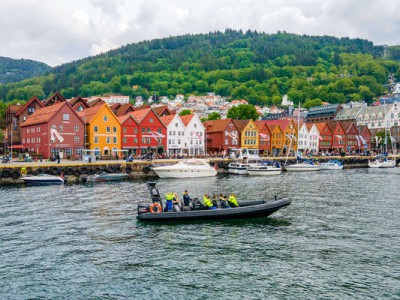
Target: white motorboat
332, 164
265, 169
382, 163
303, 166
43, 179
189, 168
239, 168
104, 176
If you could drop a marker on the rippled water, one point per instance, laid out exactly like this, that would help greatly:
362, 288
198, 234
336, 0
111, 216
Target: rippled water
340, 238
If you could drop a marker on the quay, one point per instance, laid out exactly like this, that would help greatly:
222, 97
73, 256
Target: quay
76, 171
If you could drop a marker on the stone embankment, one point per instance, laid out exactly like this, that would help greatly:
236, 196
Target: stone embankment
76, 172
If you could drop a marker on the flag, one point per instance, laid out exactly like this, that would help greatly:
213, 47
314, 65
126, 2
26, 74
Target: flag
363, 141
377, 140
154, 135
198, 135
160, 135
264, 136
339, 137
358, 140
291, 136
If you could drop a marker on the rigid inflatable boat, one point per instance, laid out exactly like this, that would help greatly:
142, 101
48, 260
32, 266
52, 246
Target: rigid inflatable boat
246, 210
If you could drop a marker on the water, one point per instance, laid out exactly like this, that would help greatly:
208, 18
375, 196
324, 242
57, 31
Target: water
339, 239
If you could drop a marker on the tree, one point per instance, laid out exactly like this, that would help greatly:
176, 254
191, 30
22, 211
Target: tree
185, 112
311, 103
214, 116
243, 112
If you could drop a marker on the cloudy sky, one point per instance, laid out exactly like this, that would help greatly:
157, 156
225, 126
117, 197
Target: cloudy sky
59, 31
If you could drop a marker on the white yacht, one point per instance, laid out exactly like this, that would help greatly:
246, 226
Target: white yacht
244, 159
382, 163
306, 165
265, 169
332, 164
188, 168
43, 179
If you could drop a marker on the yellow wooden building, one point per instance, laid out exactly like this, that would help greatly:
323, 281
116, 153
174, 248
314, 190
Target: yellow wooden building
277, 140
103, 130
249, 133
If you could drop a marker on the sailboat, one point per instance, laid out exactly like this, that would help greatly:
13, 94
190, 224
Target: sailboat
383, 160
305, 165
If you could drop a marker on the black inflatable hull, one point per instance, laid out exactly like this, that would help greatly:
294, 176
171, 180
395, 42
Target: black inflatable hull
252, 209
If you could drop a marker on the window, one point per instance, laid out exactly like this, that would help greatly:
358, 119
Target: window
79, 151
159, 130
114, 129
108, 140
176, 124
135, 130
95, 129
65, 117
114, 139
143, 140
28, 130
61, 128
151, 120
124, 129
76, 128
195, 125
76, 139
96, 139
105, 118
143, 130
124, 140
108, 129
38, 129
148, 140
135, 140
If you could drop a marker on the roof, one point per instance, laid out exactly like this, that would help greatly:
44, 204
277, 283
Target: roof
321, 125
43, 115
186, 119
78, 99
55, 98
96, 102
349, 113
283, 123
217, 125
121, 109
241, 124
159, 110
262, 126
139, 115
14, 108
324, 110
167, 119
88, 114
347, 125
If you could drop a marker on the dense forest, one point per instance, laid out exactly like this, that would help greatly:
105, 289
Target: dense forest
250, 65
13, 70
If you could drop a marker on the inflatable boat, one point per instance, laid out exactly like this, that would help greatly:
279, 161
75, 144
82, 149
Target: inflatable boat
246, 210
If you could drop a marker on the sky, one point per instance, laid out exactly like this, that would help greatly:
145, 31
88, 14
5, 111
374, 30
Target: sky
60, 31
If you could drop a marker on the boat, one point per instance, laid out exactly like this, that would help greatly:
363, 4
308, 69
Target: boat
265, 169
246, 210
332, 164
243, 159
306, 165
104, 176
188, 168
382, 162
43, 179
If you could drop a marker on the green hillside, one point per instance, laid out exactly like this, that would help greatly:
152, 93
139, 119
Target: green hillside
248, 65
13, 70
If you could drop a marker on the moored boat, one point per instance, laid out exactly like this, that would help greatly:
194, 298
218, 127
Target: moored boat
43, 179
382, 162
332, 164
265, 169
104, 176
186, 169
246, 209
307, 165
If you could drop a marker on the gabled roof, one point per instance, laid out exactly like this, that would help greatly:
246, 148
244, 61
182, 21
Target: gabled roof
167, 119
123, 118
217, 125
347, 125
162, 110
44, 114
122, 109
96, 102
321, 125
241, 124
14, 108
186, 119
88, 114
349, 113
283, 123
309, 126
78, 100
139, 115
53, 99
143, 106
27, 104
272, 127
362, 128
262, 126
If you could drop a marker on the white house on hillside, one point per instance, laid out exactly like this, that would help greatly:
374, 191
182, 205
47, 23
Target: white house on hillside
303, 138
175, 134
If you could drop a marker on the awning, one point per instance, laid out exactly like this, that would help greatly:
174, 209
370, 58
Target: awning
17, 147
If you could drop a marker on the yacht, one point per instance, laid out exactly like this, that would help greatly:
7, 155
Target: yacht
307, 165
332, 164
265, 169
380, 162
243, 159
188, 168
104, 176
43, 179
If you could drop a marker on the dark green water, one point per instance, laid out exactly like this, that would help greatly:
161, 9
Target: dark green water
339, 239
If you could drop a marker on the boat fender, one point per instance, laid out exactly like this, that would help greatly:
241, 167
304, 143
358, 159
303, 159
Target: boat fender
70, 171
226, 166
23, 172
97, 170
6, 173
15, 174
146, 169
84, 170
77, 172
91, 171
55, 170
221, 165
38, 171
110, 169
155, 208
118, 169
128, 170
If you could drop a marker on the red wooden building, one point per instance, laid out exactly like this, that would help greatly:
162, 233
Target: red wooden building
351, 142
143, 132
325, 132
56, 129
265, 137
221, 135
365, 137
338, 136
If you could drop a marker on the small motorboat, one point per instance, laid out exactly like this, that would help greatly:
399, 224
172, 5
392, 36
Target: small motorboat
265, 169
188, 168
382, 162
43, 179
104, 176
239, 168
332, 164
246, 210
307, 165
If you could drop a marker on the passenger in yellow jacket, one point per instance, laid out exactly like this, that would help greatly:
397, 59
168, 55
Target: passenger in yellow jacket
208, 202
233, 201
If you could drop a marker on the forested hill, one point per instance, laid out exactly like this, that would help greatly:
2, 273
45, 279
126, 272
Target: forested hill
248, 65
13, 70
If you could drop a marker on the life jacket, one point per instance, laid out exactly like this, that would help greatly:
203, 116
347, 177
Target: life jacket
232, 201
169, 196
207, 202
